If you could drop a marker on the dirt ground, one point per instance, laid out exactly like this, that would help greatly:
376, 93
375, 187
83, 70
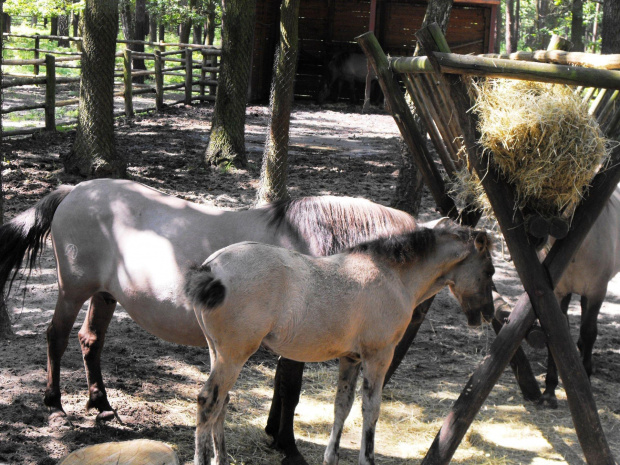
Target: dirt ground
153, 384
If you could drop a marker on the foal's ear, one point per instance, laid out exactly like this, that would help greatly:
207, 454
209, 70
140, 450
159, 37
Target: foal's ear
482, 242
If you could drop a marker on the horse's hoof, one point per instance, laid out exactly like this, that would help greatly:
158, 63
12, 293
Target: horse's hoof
107, 415
546, 401
294, 460
59, 419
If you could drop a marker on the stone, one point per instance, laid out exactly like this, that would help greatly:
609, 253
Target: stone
137, 452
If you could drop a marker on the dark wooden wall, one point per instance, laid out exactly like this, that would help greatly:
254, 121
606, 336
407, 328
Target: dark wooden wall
329, 26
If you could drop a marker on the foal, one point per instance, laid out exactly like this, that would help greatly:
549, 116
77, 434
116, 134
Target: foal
354, 306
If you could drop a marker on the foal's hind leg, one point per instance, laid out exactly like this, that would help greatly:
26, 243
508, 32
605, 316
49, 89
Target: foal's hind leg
212, 401
58, 331
347, 378
374, 370
92, 337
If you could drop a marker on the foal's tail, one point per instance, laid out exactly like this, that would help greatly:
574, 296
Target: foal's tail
203, 289
24, 235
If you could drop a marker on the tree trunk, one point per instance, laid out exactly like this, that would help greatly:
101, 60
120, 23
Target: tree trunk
153, 28
498, 30
273, 179
185, 28
140, 31
210, 26
227, 142
5, 319
94, 153
410, 184
75, 23
610, 34
576, 28
63, 30
510, 26
54, 26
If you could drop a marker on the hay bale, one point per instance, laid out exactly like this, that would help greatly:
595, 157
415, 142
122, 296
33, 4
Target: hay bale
543, 141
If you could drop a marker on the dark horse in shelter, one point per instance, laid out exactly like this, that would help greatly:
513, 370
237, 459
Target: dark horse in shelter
347, 69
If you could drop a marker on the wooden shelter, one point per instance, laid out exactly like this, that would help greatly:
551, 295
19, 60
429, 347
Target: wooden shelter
330, 26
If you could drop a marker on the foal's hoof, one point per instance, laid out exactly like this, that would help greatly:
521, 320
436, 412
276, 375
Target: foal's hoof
108, 415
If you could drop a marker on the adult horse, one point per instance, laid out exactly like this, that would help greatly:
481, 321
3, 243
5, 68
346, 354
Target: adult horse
344, 68
120, 241
354, 306
595, 263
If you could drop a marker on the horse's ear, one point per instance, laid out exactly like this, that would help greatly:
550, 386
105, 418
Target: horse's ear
481, 242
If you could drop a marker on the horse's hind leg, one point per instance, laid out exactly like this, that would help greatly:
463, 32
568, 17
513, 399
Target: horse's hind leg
347, 378
58, 331
588, 331
286, 392
92, 337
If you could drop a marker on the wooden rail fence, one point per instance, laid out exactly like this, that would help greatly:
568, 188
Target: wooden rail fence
183, 62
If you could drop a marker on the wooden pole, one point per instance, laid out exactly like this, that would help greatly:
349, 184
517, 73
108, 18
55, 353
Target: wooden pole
188, 76
499, 68
128, 95
50, 93
538, 285
37, 46
159, 81
404, 119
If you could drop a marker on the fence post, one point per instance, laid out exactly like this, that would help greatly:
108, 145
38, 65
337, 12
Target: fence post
37, 43
213, 76
159, 80
203, 74
50, 93
127, 68
189, 78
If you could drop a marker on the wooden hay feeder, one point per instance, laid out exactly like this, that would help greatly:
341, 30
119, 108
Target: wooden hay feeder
443, 103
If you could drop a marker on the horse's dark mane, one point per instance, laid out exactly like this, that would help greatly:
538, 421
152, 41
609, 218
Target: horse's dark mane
418, 244
329, 224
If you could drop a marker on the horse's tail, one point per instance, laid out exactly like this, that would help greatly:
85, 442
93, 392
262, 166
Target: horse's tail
204, 289
24, 236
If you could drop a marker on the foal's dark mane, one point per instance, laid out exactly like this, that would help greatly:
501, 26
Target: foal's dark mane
418, 244
329, 224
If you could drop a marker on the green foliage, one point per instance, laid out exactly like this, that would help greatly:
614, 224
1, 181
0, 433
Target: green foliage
539, 19
42, 8
172, 12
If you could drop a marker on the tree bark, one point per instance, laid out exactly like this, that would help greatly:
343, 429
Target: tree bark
610, 34
510, 27
54, 26
227, 143
577, 29
5, 320
410, 183
498, 30
94, 152
63, 30
275, 158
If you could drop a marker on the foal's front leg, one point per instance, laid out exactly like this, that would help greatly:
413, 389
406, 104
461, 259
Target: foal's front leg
347, 378
374, 370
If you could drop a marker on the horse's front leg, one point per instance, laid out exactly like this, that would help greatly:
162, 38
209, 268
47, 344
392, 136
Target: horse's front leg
286, 392
374, 370
58, 331
347, 378
92, 338
211, 401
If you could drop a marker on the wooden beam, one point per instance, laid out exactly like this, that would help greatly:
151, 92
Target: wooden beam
404, 119
539, 288
452, 63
